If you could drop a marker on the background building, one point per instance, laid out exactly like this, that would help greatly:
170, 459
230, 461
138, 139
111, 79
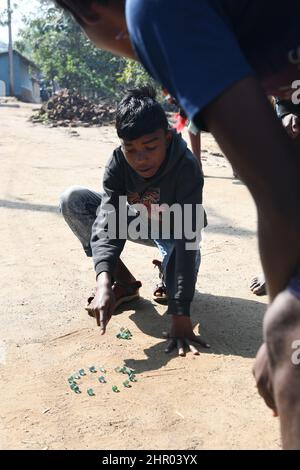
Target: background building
26, 78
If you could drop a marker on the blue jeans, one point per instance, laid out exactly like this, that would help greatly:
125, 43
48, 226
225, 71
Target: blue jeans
79, 206
166, 248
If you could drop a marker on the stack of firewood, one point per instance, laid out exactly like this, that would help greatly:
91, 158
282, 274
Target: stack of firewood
70, 109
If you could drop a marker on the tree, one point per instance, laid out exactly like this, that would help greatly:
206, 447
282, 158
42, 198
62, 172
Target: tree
65, 56
134, 75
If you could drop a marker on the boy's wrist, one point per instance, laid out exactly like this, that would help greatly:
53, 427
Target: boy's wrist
181, 326
180, 308
104, 279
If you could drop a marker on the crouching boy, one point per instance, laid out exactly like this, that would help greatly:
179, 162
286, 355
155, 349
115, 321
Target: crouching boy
152, 194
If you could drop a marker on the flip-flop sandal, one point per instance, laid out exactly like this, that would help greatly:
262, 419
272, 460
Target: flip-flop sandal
126, 292
123, 292
160, 293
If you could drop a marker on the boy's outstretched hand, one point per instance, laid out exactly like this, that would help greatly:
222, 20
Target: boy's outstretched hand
182, 336
103, 304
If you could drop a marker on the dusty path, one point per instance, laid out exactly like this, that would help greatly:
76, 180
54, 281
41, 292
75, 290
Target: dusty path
208, 402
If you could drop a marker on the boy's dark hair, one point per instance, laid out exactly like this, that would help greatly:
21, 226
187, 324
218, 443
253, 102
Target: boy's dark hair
140, 114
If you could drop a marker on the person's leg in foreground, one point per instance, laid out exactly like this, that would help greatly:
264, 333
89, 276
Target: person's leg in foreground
272, 176
290, 123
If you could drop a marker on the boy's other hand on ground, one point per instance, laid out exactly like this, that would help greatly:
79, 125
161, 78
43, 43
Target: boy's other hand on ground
103, 304
182, 336
262, 377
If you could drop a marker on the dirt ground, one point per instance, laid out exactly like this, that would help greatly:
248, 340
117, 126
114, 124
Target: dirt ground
205, 402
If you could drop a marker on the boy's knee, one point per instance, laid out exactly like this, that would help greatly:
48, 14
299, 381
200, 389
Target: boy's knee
282, 327
70, 198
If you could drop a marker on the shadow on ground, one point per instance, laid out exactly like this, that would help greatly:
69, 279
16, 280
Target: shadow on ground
232, 326
26, 206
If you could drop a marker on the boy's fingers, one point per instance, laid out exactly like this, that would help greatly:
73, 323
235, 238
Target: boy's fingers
96, 314
180, 347
192, 348
102, 328
103, 321
90, 311
170, 346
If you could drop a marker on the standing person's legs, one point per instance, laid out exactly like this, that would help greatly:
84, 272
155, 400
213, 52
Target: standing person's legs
195, 139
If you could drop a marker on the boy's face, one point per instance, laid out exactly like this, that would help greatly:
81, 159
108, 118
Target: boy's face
147, 153
105, 25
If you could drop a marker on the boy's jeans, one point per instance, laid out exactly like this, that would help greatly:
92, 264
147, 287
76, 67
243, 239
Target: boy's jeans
79, 205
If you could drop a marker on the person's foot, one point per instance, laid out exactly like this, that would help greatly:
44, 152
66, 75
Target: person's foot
126, 292
160, 293
123, 292
258, 286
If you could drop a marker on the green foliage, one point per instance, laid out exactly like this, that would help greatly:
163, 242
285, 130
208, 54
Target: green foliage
4, 13
3, 18
65, 56
134, 75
